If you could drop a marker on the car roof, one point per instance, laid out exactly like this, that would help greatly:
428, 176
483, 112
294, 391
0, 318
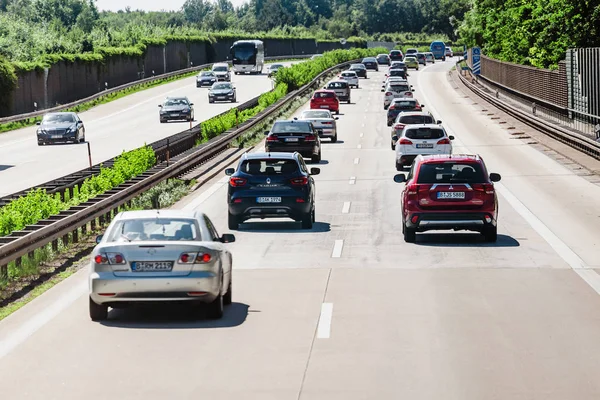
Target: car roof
382, 55
349, 72
220, 64
263, 154
61, 113
419, 126
433, 158
325, 91
416, 114
337, 81
170, 213
399, 99
292, 121
177, 98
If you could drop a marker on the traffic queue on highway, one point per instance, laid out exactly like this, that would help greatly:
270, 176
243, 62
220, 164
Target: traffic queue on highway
167, 255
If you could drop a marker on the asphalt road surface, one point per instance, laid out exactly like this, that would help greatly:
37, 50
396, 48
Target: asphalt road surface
123, 124
348, 310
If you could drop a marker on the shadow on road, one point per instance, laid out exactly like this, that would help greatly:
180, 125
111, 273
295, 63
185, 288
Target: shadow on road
283, 227
463, 240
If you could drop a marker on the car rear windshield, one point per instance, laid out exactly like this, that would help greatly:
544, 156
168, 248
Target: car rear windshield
451, 172
292, 127
337, 85
424, 133
416, 119
394, 52
350, 74
269, 167
316, 114
357, 66
154, 229
399, 88
323, 95
408, 104
398, 71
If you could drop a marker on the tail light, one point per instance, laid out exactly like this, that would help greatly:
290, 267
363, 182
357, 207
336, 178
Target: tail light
310, 138
302, 181
444, 141
272, 138
388, 93
110, 258
392, 107
327, 123
418, 107
237, 182
399, 127
404, 141
488, 188
408, 94
194, 258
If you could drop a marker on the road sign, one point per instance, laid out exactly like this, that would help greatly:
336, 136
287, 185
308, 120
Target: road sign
476, 68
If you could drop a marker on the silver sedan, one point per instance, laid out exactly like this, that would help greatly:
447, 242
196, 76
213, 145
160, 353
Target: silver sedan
160, 256
323, 121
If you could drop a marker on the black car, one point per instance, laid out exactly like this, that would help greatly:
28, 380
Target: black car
399, 65
400, 105
205, 78
396, 55
60, 127
271, 185
397, 72
222, 91
294, 135
176, 108
383, 59
360, 70
371, 63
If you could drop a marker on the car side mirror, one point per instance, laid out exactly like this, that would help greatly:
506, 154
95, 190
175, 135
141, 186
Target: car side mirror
451, 137
382, 90
191, 104
399, 178
439, 121
38, 123
412, 90
160, 106
495, 177
227, 238
229, 171
315, 171
98, 239
324, 87
266, 133
422, 105
79, 122
336, 118
395, 137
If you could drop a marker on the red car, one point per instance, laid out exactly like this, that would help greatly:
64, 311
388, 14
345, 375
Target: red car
325, 99
449, 192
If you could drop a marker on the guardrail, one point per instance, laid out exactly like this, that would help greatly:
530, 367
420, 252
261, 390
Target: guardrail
39, 113
103, 207
573, 139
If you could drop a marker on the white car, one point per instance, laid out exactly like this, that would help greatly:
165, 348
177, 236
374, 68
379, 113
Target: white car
351, 77
160, 256
391, 79
423, 139
222, 72
394, 90
406, 118
323, 121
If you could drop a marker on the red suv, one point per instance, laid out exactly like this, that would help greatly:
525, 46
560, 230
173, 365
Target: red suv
325, 99
449, 192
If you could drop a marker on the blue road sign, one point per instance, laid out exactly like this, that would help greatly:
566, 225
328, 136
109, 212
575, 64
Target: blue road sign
476, 61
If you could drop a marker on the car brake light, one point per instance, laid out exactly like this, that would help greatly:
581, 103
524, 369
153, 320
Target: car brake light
302, 181
272, 138
399, 127
488, 188
101, 259
310, 138
444, 141
405, 141
186, 258
327, 123
237, 182
203, 258
392, 107
388, 93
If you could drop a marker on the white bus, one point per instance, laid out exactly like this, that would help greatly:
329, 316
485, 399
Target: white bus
247, 56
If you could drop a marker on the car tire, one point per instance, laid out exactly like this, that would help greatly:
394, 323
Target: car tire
211, 101
40, 143
232, 221
162, 121
227, 299
349, 101
98, 312
317, 158
337, 112
234, 100
216, 307
399, 167
393, 146
490, 234
410, 234
389, 124
82, 139
334, 139
307, 220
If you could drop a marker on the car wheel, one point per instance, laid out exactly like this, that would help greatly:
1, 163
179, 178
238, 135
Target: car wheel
228, 296
337, 112
40, 143
394, 148
98, 312
317, 158
307, 220
410, 234
491, 234
389, 123
234, 100
211, 101
232, 221
334, 139
215, 308
162, 121
82, 139
399, 167
349, 101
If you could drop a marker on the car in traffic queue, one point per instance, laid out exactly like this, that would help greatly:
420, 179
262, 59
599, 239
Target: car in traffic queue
396, 90
152, 256
205, 78
397, 72
360, 70
421, 58
410, 118
341, 89
57, 127
222, 71
399, 65
402, 104
370, 63
323, 121
421, 140
396, 55
411, 62
325, 99
391, 79
294, 136
438, 49
429, 57
176, 108
449, 192
383, 59
351, 77
222, 91
411, 52
449, 52
271, 185
274, 68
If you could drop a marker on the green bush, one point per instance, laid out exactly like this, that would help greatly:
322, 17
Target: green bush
162, 195
8, 82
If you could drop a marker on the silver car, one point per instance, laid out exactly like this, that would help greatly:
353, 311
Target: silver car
323, 122
160, 256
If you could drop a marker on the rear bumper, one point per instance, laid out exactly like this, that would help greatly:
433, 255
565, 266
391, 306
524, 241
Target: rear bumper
288, 208
327, 132
305, 151
472, 221
151, 289
330, 107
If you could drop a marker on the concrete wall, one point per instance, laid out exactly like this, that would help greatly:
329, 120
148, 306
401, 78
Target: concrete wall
68, 82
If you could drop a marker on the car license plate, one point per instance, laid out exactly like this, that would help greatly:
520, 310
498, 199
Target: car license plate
174, 115
151, 266
56, 136
268, 200
451, 195
424, 146
291, 139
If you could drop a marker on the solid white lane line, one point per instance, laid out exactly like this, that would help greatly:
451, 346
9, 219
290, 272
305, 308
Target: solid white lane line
37, 321
205, 195
346, 207
356, 160
324, 327
352, 180
337, 248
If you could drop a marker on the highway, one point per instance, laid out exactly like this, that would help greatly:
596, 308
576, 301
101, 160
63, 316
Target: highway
348, 310
123, 124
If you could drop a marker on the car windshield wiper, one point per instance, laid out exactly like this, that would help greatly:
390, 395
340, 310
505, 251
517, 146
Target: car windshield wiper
125, 237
